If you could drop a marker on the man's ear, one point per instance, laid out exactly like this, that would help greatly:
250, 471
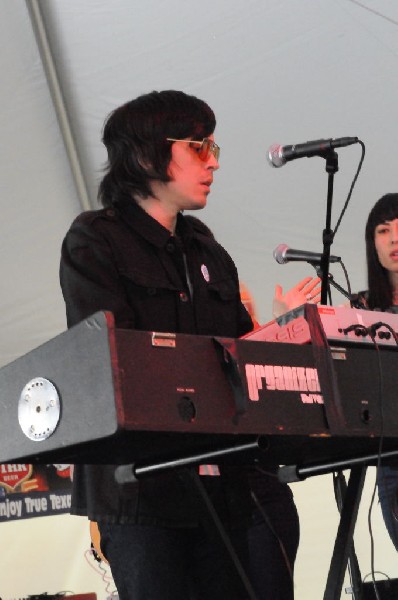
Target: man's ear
144, 163
146, 166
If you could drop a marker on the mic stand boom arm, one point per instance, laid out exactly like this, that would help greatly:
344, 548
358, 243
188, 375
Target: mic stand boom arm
354, 301
331, 281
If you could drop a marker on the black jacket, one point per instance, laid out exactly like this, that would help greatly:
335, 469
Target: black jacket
120, 259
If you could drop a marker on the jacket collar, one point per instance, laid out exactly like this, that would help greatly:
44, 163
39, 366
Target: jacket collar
150, 229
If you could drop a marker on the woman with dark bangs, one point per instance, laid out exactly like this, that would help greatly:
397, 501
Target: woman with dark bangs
381, 235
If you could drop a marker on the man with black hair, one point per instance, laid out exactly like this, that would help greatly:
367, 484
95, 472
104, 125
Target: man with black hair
157, 270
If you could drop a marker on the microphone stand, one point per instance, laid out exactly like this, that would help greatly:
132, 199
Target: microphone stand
332, 167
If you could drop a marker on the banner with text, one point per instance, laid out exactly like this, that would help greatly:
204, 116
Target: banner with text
34, 490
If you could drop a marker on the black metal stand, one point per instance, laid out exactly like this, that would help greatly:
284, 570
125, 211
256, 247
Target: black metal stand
350, 497
291, 473
340, 490
331, 168
343, 547
133, 472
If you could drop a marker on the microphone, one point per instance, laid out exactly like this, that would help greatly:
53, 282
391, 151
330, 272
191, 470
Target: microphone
283, 254
279, 155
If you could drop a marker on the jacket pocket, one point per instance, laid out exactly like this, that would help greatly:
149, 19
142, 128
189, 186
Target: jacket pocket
224, 290
152, 299
223, 303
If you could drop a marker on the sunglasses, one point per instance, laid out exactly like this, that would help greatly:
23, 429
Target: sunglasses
204, 148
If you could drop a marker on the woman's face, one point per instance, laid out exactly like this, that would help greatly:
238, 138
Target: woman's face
386, 244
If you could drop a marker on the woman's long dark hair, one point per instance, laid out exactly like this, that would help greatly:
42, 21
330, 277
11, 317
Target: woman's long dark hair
135, 138
379, 286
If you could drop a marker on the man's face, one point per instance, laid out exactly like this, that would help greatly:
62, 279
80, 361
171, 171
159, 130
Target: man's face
191, 177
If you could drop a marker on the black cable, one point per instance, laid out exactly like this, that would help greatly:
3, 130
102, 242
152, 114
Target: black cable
351, 188
267, 520
372, 334
346, 278
375, 326
371, 331
379, 572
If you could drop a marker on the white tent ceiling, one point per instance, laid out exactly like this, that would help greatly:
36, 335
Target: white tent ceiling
273, 70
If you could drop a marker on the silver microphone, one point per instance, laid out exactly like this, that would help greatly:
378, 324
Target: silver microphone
279, 155
283, 254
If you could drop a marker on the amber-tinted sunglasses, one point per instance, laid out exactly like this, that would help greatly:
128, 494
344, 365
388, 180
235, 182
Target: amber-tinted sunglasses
204, 148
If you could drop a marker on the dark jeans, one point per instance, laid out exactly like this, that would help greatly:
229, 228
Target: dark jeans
159, 563
155, 563
273, 543
387, 482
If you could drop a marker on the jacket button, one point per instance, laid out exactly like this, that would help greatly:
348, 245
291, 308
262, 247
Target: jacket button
151, 291
170, 247
184, 297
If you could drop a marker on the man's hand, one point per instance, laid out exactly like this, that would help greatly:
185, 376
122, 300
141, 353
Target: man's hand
307, 290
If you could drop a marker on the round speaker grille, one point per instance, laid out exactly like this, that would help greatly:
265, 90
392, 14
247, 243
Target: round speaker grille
39, 409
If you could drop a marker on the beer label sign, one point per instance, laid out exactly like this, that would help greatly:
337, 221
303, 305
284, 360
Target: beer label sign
12, 476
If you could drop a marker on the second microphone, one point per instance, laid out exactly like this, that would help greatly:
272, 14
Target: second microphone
283, 254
